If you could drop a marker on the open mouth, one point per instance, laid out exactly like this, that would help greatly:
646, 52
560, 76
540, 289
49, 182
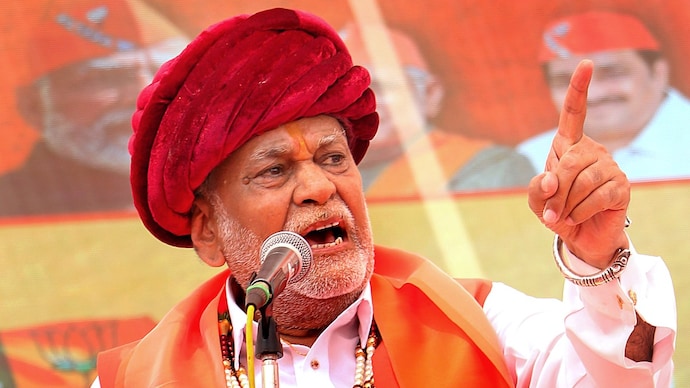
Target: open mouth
326, 236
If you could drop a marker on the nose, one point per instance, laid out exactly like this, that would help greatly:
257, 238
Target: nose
597, 90
604, 87
313, 186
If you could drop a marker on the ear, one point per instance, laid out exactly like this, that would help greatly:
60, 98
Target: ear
204, 232
434, 96
662, 72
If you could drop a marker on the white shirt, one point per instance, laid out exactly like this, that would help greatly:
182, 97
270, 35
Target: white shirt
330, 362
580, 340
659, 152
546, 342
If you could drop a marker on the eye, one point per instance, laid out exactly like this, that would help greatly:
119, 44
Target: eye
335, 162
335, 159
612, 72
273, 171
272, 176
559, 80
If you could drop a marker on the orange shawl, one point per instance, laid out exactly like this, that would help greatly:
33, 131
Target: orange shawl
434, 334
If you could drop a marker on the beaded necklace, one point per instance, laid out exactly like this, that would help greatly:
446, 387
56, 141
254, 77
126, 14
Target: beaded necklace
237, 378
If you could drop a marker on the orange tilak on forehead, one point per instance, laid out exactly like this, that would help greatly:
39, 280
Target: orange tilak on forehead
296, 132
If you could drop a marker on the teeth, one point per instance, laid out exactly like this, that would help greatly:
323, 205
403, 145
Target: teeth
337, 241
328, 226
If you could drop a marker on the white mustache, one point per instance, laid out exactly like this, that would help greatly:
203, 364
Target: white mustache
305, 217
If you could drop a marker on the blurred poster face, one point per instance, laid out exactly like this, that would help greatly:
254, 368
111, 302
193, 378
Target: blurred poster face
625, 92
86, 62
84, 110
633, 109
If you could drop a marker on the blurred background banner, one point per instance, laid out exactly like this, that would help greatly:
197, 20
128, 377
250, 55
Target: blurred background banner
466, 96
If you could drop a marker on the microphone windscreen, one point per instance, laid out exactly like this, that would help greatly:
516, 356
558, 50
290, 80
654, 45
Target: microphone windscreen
291, 240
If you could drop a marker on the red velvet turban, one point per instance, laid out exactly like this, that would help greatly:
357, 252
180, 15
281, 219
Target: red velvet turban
237, 79
594, 31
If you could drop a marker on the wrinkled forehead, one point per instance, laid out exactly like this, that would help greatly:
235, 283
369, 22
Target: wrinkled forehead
155, 54
118, 69
307, 133
299, 139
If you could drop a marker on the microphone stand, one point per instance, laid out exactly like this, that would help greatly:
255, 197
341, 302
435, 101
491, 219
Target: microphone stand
268, 348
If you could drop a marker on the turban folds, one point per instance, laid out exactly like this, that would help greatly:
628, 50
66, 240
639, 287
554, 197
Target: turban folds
594, 31
237, 79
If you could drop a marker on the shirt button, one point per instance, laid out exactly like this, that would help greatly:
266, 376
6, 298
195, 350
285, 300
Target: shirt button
314, 364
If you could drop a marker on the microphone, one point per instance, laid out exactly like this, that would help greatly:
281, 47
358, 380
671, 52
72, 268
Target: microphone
285, 258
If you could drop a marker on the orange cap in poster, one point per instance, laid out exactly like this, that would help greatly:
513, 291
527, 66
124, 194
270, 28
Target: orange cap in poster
69, 32
594, 31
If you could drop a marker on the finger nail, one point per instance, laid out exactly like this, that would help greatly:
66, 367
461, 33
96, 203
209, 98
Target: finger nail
550, 216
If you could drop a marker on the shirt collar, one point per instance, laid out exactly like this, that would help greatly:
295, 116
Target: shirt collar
361, 310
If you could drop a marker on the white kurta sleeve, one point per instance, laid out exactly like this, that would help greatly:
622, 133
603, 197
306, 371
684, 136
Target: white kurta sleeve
580, 341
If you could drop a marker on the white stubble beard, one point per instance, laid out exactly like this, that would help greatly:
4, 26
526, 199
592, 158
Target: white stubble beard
332, 283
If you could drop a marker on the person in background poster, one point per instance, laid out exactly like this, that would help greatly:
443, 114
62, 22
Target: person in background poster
632, 110
87, 58
467, 164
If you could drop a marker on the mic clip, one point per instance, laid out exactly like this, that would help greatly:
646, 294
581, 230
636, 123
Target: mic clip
268, 344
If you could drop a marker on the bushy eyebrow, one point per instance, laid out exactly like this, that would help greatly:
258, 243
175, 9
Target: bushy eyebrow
328, 139
272, 152
279, 150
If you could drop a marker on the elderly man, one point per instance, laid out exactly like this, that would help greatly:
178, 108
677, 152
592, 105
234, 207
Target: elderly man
257, 127
632, 110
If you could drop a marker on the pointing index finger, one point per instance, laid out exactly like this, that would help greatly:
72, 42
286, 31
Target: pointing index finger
572, 118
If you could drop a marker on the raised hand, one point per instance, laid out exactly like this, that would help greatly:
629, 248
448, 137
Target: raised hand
582, 194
